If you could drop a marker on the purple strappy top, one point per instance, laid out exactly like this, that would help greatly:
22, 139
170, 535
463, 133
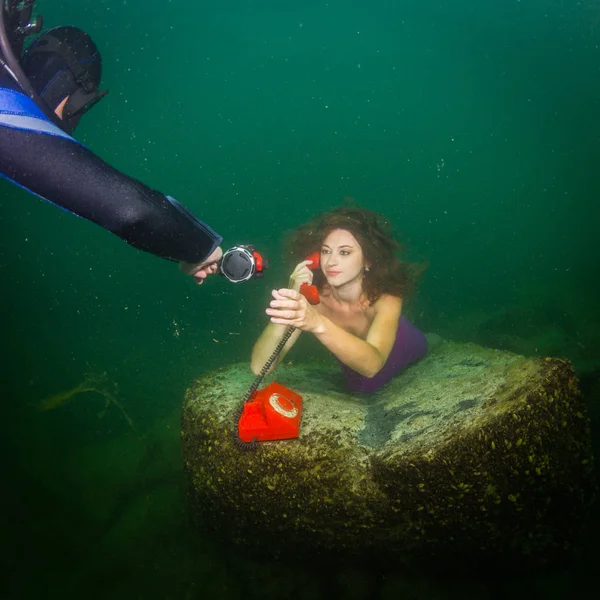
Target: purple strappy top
410, 345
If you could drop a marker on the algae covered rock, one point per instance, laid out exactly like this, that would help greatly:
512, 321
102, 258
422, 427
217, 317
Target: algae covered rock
472, 452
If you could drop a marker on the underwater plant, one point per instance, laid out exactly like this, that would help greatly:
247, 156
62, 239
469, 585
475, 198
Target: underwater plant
92, 383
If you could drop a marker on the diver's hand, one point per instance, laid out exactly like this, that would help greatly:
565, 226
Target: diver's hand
291, 308
200, 271
301, 274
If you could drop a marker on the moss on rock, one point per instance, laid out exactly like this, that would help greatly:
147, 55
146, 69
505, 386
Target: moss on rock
470, 453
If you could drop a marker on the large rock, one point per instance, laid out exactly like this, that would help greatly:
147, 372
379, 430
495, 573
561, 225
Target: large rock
472, 452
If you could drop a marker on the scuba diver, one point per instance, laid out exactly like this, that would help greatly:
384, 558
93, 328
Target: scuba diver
44, 92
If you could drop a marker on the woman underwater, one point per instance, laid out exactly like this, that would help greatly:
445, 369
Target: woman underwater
361, 284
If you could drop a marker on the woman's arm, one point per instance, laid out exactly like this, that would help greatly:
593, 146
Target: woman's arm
273, 333
267, 342
368, 356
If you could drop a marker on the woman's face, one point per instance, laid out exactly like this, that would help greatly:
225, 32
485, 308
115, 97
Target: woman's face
342, 259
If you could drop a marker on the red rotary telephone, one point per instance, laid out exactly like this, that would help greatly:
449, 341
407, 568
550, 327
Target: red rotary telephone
274, 412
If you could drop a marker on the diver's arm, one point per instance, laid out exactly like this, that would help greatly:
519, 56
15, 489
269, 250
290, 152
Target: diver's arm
67, 174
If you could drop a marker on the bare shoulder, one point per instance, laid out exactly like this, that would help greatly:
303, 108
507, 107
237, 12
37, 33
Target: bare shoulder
388, 304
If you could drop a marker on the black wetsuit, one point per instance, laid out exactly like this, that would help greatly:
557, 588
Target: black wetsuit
35, 156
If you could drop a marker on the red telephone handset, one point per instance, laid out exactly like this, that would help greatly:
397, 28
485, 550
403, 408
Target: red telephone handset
310, 292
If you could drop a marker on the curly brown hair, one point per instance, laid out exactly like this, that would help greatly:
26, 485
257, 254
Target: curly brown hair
387, 274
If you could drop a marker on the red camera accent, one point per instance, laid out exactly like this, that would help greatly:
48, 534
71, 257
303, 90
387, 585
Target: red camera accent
259, 262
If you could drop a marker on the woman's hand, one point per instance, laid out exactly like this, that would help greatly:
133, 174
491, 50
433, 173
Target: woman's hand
301, 274
291, 308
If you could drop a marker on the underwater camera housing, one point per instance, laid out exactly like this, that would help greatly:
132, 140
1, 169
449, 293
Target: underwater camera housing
242, 263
